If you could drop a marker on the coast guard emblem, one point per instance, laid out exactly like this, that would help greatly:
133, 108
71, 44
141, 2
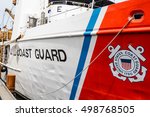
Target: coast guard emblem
126, 63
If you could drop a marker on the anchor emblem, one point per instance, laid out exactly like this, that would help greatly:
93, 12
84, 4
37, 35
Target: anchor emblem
126, 64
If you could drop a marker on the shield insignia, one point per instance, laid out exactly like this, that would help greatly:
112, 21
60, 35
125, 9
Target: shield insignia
126, 64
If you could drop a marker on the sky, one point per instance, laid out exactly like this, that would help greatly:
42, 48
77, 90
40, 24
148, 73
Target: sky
5, 4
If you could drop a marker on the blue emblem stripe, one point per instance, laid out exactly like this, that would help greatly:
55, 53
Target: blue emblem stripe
84, 52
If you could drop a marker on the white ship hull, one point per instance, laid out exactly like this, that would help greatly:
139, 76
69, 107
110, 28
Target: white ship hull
48, 56
82, 54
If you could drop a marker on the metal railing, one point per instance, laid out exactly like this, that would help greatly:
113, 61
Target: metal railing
69, 3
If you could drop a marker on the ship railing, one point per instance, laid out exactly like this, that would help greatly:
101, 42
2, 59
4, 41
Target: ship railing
65, 12
77, 3
33, 21
69, 3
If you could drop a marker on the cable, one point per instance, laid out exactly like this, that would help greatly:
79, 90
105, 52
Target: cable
95, 57
100, 53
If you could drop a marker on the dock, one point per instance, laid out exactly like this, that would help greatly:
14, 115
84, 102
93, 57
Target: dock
5, 94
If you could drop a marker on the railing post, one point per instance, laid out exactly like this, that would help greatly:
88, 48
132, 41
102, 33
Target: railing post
93, 1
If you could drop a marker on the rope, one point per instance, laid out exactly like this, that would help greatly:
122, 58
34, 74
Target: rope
100, 53
95, 57
23, 89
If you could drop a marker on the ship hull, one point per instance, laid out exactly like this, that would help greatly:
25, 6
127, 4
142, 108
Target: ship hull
105, 56
48, 68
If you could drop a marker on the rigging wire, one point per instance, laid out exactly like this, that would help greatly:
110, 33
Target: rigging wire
9, 15
100, 53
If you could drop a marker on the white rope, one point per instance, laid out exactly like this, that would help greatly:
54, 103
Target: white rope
130, 19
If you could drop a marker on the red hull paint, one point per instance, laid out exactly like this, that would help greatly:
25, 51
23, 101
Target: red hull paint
99, 82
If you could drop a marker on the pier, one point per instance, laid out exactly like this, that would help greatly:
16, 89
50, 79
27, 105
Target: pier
5, 94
